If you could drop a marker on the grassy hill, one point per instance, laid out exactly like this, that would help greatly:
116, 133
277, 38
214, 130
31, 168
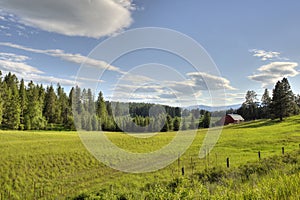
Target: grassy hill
56, 165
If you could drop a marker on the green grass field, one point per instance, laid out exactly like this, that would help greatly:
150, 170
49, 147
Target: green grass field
56, 165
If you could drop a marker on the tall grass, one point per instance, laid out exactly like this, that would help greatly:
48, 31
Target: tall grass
277, 177
55, 165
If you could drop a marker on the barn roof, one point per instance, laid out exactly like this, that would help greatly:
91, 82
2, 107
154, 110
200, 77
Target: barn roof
236, 117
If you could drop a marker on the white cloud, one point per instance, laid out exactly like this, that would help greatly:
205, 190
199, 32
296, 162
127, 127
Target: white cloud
199, 87
18, 67
13, 57
133, 78
180, 92
205, 81
92, 18
16, 64
272, 72
231, 98
4, 27
48, 79
280, 68
20, 27
267, 55
81, 78
74, 58
37, 78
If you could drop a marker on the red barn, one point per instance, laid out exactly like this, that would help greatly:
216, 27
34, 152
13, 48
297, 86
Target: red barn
231, 119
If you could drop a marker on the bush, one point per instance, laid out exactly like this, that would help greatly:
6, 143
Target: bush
212, 175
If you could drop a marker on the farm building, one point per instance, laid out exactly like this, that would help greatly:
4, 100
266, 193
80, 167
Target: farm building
231, 119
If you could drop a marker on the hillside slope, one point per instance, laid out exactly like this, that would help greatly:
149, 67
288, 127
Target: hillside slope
55, 165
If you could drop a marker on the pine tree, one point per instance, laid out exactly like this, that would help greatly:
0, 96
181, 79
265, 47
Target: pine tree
33, 118
69, 124
117, 109
265, 104
84, 100
192, 125
101, 106
63, 108
108, 108
50, 105
249, 109
176, 124
206, 120
23, 104
95, 125
11, 112
90, 102
282, 100
170, 123
184, 126
72, 118
165, 127
292, 108
297, 100
77, 101
71, 97
101, 110
1, 98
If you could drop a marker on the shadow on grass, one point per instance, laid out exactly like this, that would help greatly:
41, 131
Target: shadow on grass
257, 124
292, 121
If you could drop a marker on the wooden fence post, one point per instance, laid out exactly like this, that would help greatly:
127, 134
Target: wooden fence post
282, 150
34, 190
259, 155
207, 157
192, 166
227, 163
178, 164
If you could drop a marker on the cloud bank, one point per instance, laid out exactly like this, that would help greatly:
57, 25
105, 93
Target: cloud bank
87, 18
269, 74
195, 87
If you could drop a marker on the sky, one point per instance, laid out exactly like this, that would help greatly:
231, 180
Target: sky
247, 45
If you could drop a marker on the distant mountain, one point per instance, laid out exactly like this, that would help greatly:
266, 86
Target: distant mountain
214, 108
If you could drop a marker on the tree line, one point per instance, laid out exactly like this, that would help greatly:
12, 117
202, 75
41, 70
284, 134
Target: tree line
35, 107
282, 103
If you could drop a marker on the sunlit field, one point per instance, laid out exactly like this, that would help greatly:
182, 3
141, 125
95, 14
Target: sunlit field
56, 165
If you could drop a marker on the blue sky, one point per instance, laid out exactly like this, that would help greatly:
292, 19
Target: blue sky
253, 44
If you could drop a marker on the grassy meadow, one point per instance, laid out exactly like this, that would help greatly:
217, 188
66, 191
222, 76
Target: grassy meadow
56, 165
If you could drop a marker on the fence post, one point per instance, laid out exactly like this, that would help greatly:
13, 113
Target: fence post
206, 164
207, 157
178, 164
282, 150
182, 171
34, 190
227, 163
192, 167
259, 155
